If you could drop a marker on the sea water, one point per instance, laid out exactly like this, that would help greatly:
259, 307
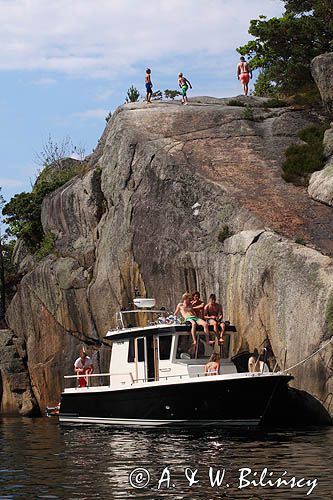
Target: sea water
40, 459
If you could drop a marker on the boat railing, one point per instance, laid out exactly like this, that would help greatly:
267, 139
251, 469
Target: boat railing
120, 315
284, 359
85, 381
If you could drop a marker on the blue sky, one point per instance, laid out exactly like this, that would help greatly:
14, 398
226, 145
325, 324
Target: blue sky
64, 65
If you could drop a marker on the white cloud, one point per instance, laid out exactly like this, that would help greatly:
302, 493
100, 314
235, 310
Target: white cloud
104, 38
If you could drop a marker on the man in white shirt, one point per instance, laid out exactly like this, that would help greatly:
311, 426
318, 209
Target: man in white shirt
83, 366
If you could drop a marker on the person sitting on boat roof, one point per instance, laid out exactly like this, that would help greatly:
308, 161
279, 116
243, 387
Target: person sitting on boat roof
197, 304
186, 310
83, 366
213, 314
213, 365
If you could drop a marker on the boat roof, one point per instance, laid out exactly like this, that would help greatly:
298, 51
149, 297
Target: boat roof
144, 331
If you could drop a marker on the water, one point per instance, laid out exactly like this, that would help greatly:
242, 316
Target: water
41, 460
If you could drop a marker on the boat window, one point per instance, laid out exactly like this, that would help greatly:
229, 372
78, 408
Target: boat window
131, 351
186, 350
165, 346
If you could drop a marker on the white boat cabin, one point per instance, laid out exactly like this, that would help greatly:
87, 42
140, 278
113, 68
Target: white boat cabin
161, 350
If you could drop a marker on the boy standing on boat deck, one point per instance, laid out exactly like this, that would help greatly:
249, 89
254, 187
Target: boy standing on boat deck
186, 310
83, 366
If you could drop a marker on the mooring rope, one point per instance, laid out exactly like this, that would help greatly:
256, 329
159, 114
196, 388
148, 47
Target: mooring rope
310, 355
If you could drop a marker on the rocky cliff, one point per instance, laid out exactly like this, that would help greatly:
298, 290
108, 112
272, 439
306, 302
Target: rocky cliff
321, 183
182, 198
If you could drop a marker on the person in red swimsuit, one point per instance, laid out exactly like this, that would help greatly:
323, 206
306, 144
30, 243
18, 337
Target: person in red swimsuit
244, 74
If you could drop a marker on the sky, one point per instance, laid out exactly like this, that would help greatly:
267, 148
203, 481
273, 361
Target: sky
65, 64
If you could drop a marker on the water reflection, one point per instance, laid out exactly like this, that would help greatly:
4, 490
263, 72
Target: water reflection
40, 459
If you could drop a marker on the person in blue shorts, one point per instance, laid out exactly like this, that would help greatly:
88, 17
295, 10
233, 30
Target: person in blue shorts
184, 84
149, 85
213, 314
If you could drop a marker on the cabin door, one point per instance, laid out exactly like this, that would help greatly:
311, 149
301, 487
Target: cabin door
151, 357
139, 359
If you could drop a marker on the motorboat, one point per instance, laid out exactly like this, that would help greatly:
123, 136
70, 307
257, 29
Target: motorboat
157, 377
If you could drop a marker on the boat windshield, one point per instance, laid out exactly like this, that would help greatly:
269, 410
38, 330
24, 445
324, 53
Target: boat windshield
186, 350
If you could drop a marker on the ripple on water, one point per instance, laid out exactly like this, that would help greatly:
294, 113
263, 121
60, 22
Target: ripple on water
41, 460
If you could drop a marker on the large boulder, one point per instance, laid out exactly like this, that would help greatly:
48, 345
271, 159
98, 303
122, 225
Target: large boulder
321, 182
322, 72
16, 394
183, 198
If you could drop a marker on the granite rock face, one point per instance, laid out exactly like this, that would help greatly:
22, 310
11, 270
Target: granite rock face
16, 393
321, 182
165, 187
322, 72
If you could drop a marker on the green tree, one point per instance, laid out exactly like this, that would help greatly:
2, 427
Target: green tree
171, 94
23, 212
157, 96
133, 94
283, 47
8, 274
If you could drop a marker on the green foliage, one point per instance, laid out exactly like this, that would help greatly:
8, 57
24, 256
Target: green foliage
133, 94
171, 94
329, 315
9, 274
236, 102
300, 240
275, 103
224, 234
23, 212
309, 96
248, 113
46, 246
283, 47
303, 159
157, 96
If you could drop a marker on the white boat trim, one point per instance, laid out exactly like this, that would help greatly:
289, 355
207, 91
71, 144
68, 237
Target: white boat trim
156, 423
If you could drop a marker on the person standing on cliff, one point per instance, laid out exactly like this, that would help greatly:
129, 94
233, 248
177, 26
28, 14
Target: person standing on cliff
184, 84
244, 74
83, 366
149, 86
